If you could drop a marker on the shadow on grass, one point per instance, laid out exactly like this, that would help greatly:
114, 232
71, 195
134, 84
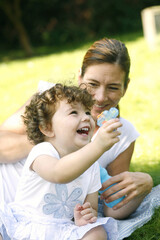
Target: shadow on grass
17, 54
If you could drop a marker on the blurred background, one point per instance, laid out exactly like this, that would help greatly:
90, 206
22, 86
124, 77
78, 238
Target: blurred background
32, 23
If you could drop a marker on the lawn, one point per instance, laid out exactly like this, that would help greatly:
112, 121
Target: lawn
140, 105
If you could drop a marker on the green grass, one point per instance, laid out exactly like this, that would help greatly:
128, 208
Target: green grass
150, 231
140, 105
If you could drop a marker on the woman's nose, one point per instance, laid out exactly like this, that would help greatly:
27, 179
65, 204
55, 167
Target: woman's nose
100, 95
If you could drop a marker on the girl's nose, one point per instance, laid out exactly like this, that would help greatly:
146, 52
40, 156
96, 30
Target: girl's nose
86, 117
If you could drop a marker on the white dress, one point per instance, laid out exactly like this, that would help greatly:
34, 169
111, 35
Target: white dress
43, 210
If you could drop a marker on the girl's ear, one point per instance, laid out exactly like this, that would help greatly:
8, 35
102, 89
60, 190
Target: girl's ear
48, 132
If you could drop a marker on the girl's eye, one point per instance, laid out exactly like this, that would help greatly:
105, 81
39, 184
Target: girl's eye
88, 113
73, 112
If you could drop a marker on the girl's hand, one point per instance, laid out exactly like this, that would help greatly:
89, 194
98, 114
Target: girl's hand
107, 135
84, 214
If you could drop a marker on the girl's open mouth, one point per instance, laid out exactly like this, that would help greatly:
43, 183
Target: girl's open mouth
84, 130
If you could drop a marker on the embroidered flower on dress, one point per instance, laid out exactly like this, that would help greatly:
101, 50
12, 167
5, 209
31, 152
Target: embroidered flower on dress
61, 205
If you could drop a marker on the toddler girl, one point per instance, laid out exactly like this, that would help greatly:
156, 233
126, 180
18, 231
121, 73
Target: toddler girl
57, 196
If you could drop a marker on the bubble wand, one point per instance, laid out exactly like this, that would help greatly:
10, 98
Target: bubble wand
103, 117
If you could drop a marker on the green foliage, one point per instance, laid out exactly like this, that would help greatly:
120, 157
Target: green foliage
59, 22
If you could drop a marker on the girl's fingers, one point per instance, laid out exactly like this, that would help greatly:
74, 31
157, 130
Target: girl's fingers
86, 211
92, 220
78, 207
112, 125
86, 205
88, 217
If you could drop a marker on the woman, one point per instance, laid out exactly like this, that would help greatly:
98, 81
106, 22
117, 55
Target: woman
105, 70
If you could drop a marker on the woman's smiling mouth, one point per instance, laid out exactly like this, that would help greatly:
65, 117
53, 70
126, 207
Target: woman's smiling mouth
101, 107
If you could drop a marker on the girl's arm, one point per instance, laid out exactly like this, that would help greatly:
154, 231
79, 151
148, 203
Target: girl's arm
87, 213
69, 167
74, 164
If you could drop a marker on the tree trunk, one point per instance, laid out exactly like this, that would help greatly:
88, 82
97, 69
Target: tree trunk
13, 12
23, 37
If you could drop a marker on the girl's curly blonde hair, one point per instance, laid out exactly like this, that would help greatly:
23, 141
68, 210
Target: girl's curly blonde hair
39, 112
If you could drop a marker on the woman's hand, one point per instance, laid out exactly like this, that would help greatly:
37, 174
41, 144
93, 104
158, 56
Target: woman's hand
84, 214
132, 185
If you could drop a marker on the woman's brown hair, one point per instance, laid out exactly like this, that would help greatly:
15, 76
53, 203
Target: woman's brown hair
107, 51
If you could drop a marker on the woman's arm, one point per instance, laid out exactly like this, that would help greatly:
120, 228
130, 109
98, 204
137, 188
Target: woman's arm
14, 144
13, 147
122, 162
134, 185
93, 200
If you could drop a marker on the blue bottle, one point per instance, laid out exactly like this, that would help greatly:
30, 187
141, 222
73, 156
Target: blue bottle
104, 177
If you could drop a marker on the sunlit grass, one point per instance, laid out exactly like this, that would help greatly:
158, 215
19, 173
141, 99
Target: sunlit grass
19, 78
141, 105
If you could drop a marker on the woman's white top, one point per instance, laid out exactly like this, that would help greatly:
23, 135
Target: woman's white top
128, 135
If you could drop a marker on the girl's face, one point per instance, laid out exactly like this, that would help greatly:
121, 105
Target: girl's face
106, 85
73, 127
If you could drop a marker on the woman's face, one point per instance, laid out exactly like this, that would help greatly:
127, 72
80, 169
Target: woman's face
106, 84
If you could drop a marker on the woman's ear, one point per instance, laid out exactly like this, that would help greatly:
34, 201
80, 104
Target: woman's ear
125, 89
79, 76
48, 132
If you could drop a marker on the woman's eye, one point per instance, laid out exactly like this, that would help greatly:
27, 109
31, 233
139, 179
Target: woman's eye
113, 88
92, 84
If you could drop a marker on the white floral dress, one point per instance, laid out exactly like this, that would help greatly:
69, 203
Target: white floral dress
43, 210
